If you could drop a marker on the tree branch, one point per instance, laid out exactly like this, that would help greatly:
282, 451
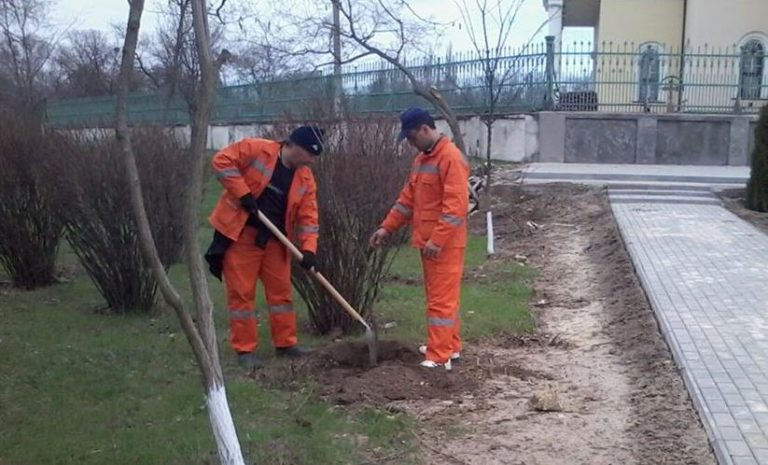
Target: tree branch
147, 73
431, 95
346, 61
218, 11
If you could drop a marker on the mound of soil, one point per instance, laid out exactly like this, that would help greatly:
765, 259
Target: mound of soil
345, 378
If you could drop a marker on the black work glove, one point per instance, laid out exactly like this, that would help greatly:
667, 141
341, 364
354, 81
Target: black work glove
309, 261
250, 204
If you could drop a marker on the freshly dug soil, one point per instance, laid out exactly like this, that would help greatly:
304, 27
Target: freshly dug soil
344, 376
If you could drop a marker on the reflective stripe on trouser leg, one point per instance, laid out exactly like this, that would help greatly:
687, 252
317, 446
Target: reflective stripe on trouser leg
243, 330
240, 271
442, 282
276, 278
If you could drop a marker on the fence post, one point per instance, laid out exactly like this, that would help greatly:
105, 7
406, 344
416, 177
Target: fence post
742, 62
646, 62
549, 97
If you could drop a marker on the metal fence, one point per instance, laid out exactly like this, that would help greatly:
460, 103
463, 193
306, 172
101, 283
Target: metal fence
653, 77
626, 77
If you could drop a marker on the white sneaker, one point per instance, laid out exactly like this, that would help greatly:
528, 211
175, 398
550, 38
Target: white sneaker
431, 364
454, 356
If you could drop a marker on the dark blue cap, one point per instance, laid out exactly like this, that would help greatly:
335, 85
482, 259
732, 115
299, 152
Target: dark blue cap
413, 118
310, 138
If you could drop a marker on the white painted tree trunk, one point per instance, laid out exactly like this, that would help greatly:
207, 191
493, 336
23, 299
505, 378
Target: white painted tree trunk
223, 426
489, 232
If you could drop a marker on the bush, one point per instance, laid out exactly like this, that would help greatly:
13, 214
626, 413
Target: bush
359, 176
95, 204
29, 228
757, 187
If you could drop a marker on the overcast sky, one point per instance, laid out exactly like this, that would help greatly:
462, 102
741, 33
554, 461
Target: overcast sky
101, 14
96, 14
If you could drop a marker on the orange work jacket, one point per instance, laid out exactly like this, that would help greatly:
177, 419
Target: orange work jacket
247, 166
435, 200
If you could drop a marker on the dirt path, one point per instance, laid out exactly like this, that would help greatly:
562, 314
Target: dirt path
600, 355
606, 390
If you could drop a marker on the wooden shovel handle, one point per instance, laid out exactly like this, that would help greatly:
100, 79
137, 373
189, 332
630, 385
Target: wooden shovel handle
318, 276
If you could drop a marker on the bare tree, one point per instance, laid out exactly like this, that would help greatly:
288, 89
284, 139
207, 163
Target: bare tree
261, 52
200, 332
363, 20
86, 65
28, 41
365, 28
489, 26
171, 62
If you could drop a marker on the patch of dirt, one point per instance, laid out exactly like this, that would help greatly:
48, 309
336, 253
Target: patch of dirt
734, 200
345, 378
605, 390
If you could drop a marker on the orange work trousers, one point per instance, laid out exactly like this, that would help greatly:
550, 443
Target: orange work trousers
244, 264
442, 283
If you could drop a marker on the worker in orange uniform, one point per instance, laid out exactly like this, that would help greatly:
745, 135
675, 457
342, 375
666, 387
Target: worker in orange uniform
272, 177
435, 202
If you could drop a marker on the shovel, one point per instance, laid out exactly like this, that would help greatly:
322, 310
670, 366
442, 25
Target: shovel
370, 336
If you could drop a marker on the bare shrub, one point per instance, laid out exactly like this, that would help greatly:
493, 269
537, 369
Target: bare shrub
29, 228
95, 204
359, 176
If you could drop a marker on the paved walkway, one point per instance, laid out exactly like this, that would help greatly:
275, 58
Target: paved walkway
706, 274
647, 175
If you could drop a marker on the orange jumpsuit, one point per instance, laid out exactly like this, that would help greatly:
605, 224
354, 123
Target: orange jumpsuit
435, 201
244, 167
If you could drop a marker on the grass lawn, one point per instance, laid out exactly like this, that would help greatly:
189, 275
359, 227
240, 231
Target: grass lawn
493, 303
87, 388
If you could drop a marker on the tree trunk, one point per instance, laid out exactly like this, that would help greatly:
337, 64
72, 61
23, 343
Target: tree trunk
199, 135
202, 338
337, 84
436, 99
219, 413
147, 242
488, 139
220, 417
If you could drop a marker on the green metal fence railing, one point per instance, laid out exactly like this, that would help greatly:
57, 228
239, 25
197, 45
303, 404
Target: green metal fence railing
649, 77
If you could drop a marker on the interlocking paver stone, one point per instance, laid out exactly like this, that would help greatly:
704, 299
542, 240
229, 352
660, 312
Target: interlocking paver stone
762, 456
705, 272
745, 461
757, 441
738, 448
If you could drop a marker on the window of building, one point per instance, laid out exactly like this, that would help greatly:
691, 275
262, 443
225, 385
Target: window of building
649, 73
752, 69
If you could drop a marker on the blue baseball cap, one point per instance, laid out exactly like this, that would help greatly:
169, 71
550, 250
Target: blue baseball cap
411, 119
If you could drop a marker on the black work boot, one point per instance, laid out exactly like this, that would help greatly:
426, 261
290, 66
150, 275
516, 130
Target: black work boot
249, 360
294, 351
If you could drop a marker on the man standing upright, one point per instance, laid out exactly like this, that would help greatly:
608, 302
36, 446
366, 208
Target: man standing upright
272, 177
434, 201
